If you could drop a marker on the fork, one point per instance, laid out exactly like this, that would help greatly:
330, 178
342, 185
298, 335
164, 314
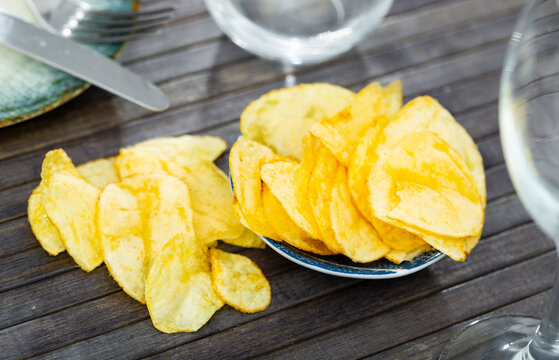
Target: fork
83, 22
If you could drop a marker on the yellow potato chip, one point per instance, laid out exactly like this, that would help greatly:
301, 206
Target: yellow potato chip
341, 133
70, 204
57, 161
356, 237
212, 201
239, 282
42, 227
286, 229
425, 113
398, 256
99, 173
136, 217
280, 118
247, 239
281, 178
245, 160
397, 238
179, 291
424, 186
320, 195
184, 149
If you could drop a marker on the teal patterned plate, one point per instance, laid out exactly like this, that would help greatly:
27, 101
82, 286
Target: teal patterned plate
29, 88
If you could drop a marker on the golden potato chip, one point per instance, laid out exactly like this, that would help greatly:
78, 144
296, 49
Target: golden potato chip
286, 229
280, 118
42, 227
245, 160
239, 282
70, 204
424, 186
398, 256
136, 217
99, 173
425, 113
397, 238
184, 149
57, 161
247, 239
341, 133
212, 201
356, 237
281, 178
320, 195
120, 223
179, 291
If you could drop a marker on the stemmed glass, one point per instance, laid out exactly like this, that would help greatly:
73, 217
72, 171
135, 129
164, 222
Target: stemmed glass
529, 125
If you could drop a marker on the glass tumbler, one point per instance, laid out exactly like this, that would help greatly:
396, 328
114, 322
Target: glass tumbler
297, 32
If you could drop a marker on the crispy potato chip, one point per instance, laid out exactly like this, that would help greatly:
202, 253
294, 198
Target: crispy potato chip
136, 217
70, 205
341, 133
212, 201
57, 161
398, 256
245, 160
397, 238
120, 222
280, 118
247, 239
424, 186
184, 149
281, 178
42, 227
179, 291
320, 195
286, 229
356, 237
99, 173
425, 113
239, 282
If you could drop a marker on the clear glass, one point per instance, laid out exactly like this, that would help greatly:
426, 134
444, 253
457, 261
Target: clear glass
297, 32
529, 126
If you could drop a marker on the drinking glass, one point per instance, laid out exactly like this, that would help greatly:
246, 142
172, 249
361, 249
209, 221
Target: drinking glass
529, 126
297, 32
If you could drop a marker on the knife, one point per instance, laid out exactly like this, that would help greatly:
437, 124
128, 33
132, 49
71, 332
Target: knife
79, 61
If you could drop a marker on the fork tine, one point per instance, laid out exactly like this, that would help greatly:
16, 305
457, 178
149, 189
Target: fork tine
116, 30
129, 14
123, 22
112, 39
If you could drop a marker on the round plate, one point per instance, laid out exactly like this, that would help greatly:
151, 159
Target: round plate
29, 88
340, 265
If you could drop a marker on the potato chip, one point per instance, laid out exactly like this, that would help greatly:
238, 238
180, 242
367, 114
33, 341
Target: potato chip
212, 201
70, 205
280, 118
341, 133
247, 239
397, 238
239, 282
286, 229
99, 173
425, 113
42, 227
356, 237
424, 186
398, 256
320, 195
245, 160
281, 178
57, 161
179, 291
184, 149
136, 217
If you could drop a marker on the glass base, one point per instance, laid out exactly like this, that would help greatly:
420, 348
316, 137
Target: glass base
497, 337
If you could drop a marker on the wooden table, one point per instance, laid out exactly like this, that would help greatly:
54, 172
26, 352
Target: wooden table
449, 49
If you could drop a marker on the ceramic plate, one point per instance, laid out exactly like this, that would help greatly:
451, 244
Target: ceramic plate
340, 265
29, 88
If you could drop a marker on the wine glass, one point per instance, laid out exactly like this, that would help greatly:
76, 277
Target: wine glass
529, 126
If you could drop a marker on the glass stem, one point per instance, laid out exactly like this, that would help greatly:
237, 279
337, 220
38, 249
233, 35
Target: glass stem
545, 344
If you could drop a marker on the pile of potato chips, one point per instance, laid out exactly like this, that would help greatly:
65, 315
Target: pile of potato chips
333, 172
153, 214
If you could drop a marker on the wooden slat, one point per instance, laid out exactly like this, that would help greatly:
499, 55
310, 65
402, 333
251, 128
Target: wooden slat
367, 334
108, 111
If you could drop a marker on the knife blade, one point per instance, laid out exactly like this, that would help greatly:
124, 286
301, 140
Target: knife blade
79, 61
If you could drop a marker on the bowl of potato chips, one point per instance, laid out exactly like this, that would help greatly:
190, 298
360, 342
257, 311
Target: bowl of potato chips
357, 185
